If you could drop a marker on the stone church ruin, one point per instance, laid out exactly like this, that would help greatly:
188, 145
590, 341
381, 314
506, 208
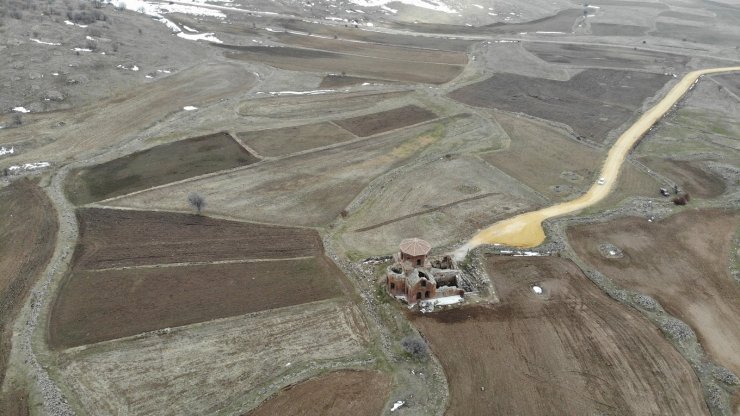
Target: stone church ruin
415, 277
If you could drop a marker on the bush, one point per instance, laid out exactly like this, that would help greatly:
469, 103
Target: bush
415, 347
682, 199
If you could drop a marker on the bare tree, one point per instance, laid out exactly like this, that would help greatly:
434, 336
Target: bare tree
197, 201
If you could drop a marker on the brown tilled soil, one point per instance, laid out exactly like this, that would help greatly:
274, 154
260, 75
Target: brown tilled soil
356, 393
298, 59
569, 351
593, 102
122, 238
383, 121
14, 403
156, 166
681, 262
95, 306
28, 227
287, 140
688, 175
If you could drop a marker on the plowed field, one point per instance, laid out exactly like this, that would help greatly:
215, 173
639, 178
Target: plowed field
569, 351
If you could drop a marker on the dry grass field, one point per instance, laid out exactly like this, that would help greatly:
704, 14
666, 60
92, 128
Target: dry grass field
560, 166
96, 306
601, 99
357, 393
324, 105
308, 189
571, 350
218, 366
28, 227
123, 238
683, 263
287, 140
690, 176
376, 123
156, 166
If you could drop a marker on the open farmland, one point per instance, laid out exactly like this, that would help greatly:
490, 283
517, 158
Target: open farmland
682, 262
571, 350
156, 166
316, 105
339, 81
376, 50
602, 99
562, 21
560, 168
123, 238
357, 393
313, 60
107, 123
466, 194
223, 365
28, 227
287, 140
376, 123
689, 175
95, 306
598, 56
307, 189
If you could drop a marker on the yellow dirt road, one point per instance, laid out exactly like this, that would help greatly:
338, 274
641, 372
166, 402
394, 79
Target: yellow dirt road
525, 230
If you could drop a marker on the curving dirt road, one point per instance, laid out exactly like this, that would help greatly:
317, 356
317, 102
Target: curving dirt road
525, 230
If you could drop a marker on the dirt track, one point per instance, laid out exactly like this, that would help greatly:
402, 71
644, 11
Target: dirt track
681, 262
28, 227
569, 351
356, 393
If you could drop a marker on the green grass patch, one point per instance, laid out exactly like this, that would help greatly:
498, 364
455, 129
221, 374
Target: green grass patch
156, 166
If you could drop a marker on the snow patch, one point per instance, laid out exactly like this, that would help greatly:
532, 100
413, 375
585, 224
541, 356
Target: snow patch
81, 50
189, 29
549, 33
200, 36
435, 5
537, 290
397, 405
21, 110
67, 22
189, 108
28, 166
45, 43
479, 6
4, 151
312, 92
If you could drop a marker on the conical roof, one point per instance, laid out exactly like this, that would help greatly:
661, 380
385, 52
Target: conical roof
415, 247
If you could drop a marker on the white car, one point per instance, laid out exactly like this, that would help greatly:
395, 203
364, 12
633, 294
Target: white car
601, 181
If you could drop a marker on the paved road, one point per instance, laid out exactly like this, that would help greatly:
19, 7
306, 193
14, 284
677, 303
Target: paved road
525, 230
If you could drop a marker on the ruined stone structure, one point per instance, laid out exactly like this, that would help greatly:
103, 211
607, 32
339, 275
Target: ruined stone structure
414, 276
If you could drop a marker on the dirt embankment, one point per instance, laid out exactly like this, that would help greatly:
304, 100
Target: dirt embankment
681, 262
356, 393
28, 227
569, 350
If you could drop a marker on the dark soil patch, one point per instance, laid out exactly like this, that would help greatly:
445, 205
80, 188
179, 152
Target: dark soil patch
15, 403
582, 55
357, 393
95, 306
593, 102
706, 34
279, 142
683, 263
156, 166
297, 59
571, 350
121, 238
383, 121
729, 81
688, 175
28, 228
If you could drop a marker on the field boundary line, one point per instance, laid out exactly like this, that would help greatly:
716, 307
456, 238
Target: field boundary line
200, 263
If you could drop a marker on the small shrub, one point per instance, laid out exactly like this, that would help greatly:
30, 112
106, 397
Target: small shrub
682, 199
17, 119
415, 347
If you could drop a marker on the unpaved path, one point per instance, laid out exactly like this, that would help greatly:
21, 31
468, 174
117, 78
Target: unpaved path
525, 230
